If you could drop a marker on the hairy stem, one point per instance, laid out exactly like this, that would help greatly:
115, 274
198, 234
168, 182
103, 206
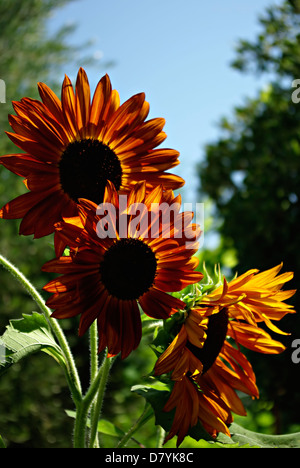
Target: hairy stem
145, 416
108, 362
72, 374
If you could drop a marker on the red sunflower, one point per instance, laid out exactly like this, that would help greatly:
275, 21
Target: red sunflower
205, 358
73, 146
107, 278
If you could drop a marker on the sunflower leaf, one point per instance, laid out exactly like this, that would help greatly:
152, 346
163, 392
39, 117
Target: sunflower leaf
157, 399
105, 427
244, 436
240, 437
2, 444
25, 336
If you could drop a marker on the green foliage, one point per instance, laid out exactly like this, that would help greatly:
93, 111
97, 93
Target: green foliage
32, 333
104, 426
240, 437
235, 178
25, 336
252, 175
277, 47
2, 444
158, 399
28, 54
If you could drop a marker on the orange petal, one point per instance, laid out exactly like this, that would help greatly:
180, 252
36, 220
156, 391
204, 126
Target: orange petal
51, 101
69, 106
82, 102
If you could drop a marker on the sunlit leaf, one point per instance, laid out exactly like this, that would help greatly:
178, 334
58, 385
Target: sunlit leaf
244, 436
2, 444
25, 336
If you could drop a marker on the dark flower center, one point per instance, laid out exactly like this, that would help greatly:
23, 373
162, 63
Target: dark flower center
128, 269
216, 334
85, 167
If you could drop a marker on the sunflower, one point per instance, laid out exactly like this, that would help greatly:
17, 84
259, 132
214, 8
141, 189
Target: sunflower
73, 146
253, 298
108, 277
205, 359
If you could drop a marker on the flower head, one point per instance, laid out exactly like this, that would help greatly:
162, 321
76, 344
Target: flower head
255, 297
205, 359
119, 261
73, 146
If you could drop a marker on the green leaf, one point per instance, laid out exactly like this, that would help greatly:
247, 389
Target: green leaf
25, 336
244, 436
104, 427
2, 444
157, 399
108, 428
240, 437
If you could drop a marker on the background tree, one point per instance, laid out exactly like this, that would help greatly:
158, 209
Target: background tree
252, 174
28, 55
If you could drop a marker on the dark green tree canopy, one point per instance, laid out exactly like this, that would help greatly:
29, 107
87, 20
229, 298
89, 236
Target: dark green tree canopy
252, 172
252, 175
277, 48
28, 54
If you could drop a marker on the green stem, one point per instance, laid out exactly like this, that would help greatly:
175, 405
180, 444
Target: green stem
98, 376
72, 374
82, 410
94, 350
149, 326
94, 368
97, 387
108, 362
161, 433
145, 416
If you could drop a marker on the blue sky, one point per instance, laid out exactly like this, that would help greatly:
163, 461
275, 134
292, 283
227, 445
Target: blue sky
179, 54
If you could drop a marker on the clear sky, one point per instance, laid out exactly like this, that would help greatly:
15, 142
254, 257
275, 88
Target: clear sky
178, 52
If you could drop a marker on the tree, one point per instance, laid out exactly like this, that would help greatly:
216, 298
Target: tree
28, 55
252, 173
